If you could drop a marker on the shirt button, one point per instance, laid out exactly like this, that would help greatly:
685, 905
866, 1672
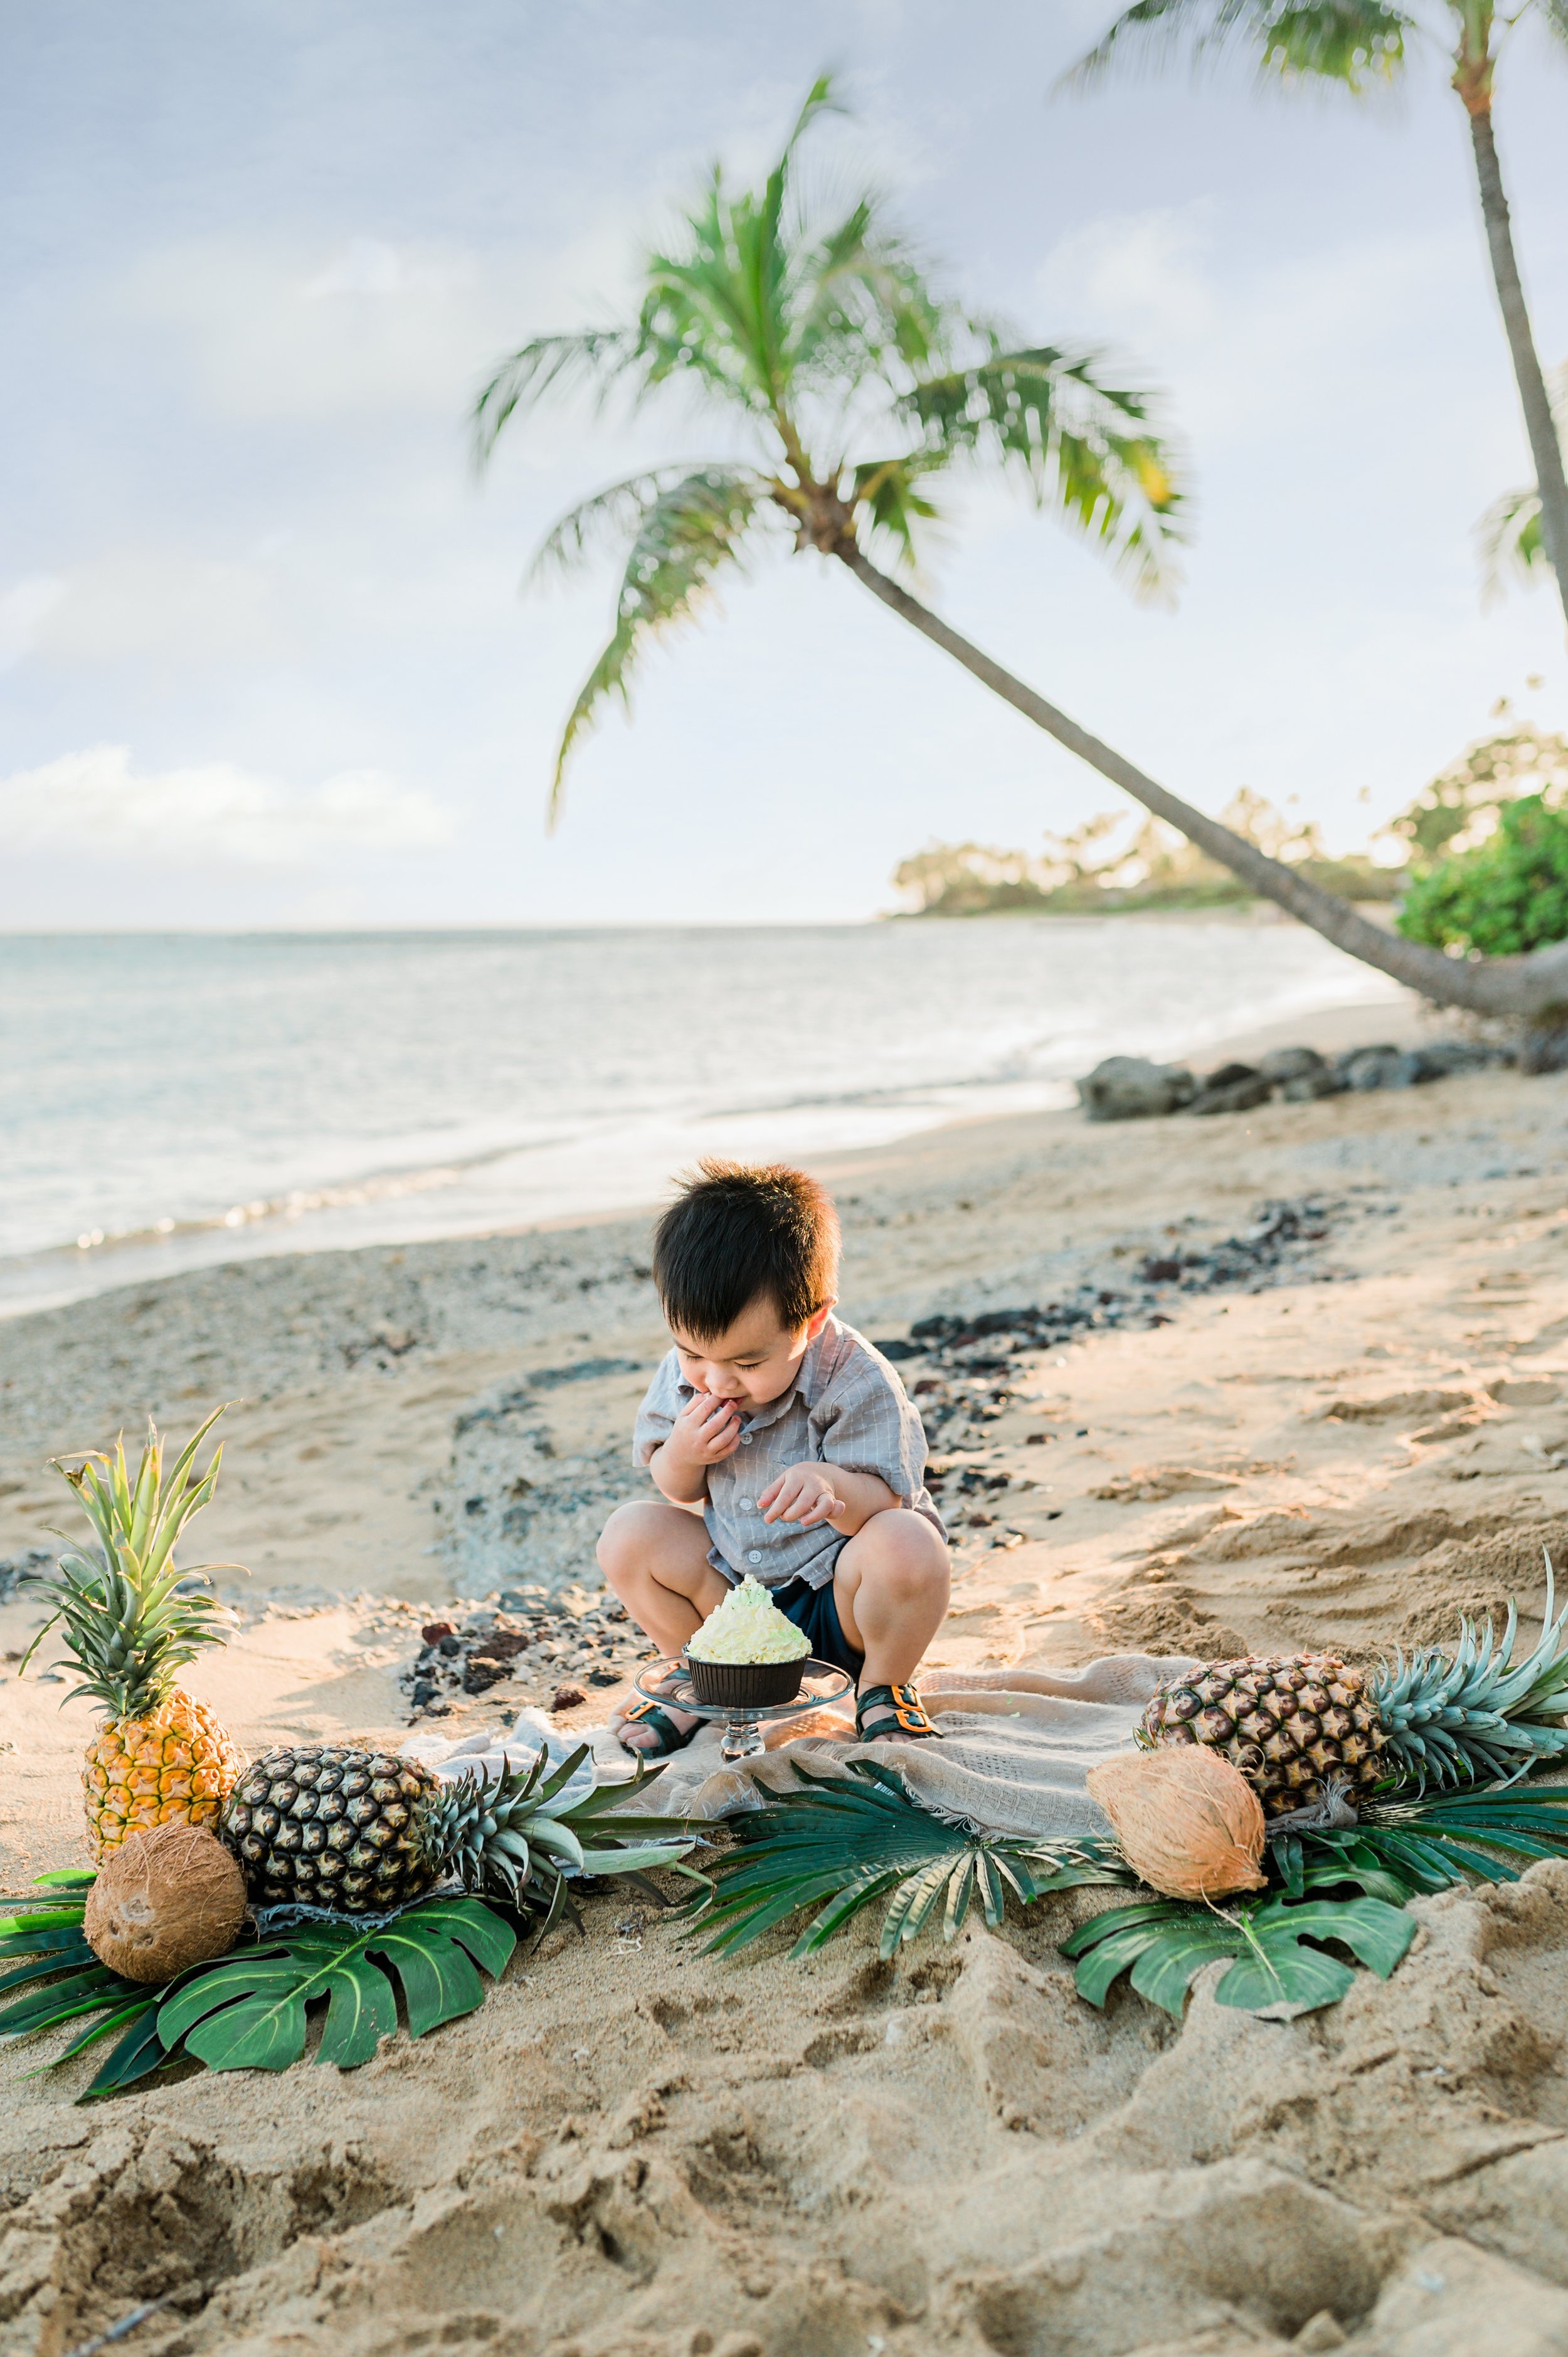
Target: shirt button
756, 1555
748, 1504
746, 1440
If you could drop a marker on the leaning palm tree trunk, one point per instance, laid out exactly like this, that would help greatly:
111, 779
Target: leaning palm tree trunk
1533, 988
1544, 447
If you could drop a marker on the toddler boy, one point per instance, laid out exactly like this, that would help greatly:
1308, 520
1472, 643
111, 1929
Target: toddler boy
786, 1450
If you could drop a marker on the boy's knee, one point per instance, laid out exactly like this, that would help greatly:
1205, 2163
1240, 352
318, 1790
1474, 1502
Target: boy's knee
617, 1541
911, 1551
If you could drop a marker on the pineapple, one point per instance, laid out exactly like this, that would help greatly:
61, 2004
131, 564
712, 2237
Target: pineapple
130, 1622
1298, 1726
364, 1831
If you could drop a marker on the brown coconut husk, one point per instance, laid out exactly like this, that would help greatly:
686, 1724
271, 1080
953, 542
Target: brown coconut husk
1189, 1824
164, 1901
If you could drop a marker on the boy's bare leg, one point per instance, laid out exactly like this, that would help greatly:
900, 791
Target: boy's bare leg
655, 1559
890, 1587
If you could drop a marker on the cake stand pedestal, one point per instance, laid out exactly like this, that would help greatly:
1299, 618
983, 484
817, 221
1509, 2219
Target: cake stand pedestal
743, 1735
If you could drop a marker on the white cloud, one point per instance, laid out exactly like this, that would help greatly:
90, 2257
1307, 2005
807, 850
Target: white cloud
284, 330
22, 609
216, 813
368, 266
1147, 271
167, 606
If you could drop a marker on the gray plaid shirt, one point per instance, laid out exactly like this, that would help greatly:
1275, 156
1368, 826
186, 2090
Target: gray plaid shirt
846, 1406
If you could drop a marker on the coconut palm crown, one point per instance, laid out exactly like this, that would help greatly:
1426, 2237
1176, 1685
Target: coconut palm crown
1360, 45
853, 389
856, 388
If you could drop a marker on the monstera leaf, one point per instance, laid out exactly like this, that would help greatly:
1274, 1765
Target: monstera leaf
1276, 1950
248, 2013
851, 1840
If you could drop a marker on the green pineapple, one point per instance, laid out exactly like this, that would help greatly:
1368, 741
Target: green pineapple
366, 1832
1297, 1725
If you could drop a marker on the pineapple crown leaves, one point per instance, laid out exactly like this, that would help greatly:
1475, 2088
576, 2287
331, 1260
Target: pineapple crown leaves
131, 1620
851, 1840
515, 1834
1474, 1712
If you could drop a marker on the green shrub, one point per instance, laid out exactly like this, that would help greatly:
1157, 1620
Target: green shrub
1508, 895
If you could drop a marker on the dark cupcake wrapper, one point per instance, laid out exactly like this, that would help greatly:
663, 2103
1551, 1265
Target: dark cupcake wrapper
745, 1685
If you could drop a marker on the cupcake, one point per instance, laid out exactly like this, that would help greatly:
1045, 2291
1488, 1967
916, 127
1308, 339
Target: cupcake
747, 1653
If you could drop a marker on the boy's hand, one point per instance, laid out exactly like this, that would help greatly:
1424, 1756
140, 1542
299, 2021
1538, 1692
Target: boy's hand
805, 1495
706, 1430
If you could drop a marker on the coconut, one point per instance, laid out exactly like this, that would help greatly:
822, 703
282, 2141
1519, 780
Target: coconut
1189, 1824
164, 1901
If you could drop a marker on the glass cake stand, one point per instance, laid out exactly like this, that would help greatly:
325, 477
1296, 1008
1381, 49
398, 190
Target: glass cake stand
743, 1736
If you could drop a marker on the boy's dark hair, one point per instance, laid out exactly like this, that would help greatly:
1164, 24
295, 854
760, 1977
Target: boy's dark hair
735, 1233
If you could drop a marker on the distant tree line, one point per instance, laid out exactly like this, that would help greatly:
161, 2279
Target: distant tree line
1478, 862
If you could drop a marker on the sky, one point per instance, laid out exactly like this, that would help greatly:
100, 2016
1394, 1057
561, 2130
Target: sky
265, 659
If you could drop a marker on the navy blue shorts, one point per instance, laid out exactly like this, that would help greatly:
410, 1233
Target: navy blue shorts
813, 1610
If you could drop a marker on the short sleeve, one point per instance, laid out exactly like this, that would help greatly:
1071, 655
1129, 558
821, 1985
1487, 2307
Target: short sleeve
867, 1425
656, 1416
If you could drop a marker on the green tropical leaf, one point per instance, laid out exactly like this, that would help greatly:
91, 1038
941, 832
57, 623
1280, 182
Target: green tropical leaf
248, 2013
1405, 1849
1354, 42
1082, 447
137, 2053
1274, 1951
687, 533
844, 1842
816, 337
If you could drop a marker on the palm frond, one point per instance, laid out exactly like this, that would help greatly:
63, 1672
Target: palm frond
1354, 42
688, 532
1408, 1849
594, 357
1507, 537
844, 1842
1509, 543
1081, 445
614, 514
888, 492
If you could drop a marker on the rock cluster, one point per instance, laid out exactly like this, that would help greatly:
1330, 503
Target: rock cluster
1128, 1088
971, 1362
529, 1640
31, 1564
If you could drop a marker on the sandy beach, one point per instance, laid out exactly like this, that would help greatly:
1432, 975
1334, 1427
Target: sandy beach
634, 2152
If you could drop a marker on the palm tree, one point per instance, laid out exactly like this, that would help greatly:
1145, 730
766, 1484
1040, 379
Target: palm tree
1509, 533
852, 390
1359, 44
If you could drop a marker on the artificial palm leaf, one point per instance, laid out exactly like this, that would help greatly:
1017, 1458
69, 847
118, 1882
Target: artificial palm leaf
64, 1982
847, 1841
1275, 1950
248, 2013
1430, 1844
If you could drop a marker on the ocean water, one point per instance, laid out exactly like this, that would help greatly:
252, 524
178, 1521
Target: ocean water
168, 1100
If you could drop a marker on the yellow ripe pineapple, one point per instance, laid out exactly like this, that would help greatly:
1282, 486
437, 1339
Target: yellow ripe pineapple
131, 1620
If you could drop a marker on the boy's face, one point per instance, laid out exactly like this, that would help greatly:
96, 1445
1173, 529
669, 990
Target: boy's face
755, 1360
